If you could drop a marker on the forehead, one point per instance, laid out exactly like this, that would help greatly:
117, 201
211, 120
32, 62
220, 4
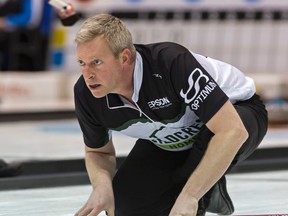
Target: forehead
96, 48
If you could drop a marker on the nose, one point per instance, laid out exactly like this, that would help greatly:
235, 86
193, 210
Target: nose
91, 76
88, 74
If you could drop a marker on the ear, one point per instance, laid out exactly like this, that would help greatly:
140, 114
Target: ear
126, 56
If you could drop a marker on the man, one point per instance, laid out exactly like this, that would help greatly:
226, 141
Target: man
195, 118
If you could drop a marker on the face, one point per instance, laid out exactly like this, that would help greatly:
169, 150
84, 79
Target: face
102, 72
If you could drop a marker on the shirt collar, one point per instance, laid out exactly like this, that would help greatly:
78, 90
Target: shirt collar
114, 101
137, 77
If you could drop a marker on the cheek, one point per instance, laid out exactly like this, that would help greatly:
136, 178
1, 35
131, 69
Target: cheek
109, 71
112, 72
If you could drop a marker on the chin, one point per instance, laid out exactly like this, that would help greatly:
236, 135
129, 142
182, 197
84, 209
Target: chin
98, 95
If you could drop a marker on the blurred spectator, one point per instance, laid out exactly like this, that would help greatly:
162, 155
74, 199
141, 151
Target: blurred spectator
8, 7
24, 36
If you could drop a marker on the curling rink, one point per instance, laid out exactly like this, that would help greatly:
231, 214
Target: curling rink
255, 193
252, 193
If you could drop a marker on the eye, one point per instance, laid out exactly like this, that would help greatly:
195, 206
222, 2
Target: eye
97, 62
80, 62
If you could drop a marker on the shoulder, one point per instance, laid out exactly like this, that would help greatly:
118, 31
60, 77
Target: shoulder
84, 101
163, 54
80, 81
161, 49
80, 85
81, 92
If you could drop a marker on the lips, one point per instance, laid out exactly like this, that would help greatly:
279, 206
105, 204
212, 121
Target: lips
94, 86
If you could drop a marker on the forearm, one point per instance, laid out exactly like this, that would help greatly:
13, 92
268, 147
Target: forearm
100, 167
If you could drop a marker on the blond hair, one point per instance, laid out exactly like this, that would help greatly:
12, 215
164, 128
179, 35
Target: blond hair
109, 27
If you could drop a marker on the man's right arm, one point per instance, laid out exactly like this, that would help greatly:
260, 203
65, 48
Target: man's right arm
101, 166
100, 162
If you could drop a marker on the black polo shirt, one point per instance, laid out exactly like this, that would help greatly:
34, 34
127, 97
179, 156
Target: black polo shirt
175, 91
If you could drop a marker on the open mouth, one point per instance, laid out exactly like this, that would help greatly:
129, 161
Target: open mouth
94, 86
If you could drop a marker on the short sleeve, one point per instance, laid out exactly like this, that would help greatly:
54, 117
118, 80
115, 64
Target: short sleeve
195, 86
94, 134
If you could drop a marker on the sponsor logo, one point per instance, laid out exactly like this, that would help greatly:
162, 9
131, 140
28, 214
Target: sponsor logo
157, 75
159, 103
197, 92
178, 146
176, 138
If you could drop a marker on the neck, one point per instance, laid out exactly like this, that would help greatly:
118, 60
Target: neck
128, 90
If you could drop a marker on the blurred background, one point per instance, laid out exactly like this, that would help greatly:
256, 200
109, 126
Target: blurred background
38, 69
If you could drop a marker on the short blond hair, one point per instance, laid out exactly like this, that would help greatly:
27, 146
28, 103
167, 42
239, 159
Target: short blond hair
112, 29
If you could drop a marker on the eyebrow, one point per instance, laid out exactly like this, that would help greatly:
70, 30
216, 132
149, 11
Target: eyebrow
93, 58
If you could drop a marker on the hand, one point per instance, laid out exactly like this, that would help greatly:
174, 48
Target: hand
185, 206
99, 200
